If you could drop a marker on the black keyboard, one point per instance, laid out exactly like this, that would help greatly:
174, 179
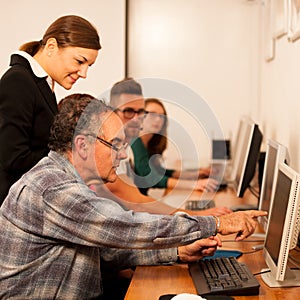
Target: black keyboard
223, 276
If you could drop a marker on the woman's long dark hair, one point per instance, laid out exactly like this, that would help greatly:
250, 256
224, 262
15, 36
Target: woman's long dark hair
158, 143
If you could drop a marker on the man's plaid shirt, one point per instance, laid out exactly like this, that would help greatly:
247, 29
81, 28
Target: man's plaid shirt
54, 230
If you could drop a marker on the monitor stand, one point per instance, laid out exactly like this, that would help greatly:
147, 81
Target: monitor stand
292, 279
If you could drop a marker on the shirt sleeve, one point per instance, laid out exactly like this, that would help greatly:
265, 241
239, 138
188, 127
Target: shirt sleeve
119, 258
77, 214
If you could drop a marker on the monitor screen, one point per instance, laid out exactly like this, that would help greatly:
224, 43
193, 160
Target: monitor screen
220, 149
275, 154
282, 231
223, 151
249, 155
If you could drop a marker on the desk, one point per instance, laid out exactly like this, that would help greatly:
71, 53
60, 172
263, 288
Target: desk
150, 282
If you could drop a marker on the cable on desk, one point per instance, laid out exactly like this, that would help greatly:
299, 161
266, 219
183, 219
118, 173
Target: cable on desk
246, 252
259, 273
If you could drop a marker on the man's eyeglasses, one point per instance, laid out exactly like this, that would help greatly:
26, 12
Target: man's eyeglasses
129, 112
112, 146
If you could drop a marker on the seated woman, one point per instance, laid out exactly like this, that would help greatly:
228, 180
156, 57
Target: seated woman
148, 149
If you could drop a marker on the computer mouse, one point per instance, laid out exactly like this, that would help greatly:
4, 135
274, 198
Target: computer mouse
186, 296
195, 297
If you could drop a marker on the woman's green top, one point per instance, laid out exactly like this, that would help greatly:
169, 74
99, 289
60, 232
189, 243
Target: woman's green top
149, 172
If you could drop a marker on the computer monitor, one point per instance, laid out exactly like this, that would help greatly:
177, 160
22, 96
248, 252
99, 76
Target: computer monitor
276, 153
237, 146
220, 150
224, 171
283, 229
250, 149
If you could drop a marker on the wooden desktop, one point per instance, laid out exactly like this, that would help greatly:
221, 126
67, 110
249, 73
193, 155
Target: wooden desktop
150, 282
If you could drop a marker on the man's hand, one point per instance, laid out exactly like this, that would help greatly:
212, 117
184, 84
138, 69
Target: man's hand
207, 184
199, 249
214, 211
241, 222
204, 172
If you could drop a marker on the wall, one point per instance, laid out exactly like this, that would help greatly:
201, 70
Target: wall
24, 21
280, 92
211, 47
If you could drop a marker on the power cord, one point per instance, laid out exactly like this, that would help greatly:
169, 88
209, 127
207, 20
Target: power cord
263, 272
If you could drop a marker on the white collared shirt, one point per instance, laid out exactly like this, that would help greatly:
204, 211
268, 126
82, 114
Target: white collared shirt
36, 67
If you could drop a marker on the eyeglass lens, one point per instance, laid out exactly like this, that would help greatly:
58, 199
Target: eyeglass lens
130, 112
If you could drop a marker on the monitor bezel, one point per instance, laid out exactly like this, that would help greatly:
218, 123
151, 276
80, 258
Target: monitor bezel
280, 271
237, 147
280, 157
252, 141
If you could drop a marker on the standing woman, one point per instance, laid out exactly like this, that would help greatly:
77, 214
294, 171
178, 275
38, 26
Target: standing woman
27, 100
